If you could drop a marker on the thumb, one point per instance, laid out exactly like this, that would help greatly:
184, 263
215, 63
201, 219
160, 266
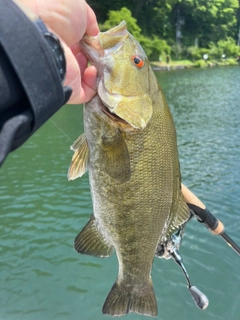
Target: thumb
73, 76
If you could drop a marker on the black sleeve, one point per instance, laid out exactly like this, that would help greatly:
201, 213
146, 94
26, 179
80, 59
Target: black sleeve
30, 86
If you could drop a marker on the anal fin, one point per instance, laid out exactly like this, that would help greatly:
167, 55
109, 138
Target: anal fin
90, 241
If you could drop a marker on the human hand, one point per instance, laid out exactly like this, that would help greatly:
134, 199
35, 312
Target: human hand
70, 20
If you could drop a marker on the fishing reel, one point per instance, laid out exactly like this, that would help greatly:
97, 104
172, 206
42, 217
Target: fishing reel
170, 249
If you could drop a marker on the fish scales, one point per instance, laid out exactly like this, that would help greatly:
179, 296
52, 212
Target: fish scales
134, 176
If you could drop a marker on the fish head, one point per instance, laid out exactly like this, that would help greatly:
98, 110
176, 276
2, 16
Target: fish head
123, 75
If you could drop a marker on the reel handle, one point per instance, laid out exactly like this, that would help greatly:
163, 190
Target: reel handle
200, 299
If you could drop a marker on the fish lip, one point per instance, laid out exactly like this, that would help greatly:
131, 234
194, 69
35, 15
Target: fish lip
96, 47
117, 30
89, 45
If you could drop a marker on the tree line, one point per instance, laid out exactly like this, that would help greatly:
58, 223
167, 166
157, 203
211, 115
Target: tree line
178, 25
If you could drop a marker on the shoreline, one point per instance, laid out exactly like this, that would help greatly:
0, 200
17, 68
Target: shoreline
161, 66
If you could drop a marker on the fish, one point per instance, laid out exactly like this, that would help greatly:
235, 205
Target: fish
129, 149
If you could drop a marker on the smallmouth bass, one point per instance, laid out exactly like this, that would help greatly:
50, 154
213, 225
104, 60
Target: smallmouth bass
129, 148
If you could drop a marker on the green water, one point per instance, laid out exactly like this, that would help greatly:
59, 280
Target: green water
43, 278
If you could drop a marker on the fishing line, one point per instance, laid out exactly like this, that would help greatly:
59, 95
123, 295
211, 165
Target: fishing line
61, 130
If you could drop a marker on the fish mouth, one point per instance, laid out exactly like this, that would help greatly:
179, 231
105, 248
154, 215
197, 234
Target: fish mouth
103, 51
115, 118
100, 46
104, 44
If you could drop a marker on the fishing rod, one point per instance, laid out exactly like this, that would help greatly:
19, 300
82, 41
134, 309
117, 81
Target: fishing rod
204, 216
170, 249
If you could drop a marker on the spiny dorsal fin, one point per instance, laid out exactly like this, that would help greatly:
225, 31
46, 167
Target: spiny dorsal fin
90, 241
80, 158
115, 157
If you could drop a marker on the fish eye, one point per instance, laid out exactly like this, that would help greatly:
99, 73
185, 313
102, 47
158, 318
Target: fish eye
138, 61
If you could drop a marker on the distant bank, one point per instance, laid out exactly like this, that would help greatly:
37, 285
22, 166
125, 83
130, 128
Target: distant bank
185, 64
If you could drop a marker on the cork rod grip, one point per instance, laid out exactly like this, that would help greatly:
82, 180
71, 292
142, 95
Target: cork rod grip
191, 198
214, 225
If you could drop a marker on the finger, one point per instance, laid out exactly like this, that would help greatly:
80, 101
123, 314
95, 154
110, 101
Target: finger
76, 49
88, 84
88, 73
84, 83
73, 76
89, 78
92, 26
82, 62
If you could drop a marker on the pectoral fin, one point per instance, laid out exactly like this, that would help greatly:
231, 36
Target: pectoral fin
90, 241
80, 158
115, 157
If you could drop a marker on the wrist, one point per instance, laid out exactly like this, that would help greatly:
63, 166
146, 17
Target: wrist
51, 39
55, 47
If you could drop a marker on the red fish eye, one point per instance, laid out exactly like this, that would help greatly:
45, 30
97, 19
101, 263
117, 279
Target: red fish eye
138, 61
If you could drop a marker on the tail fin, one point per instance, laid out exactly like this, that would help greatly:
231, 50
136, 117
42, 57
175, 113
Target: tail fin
125, 298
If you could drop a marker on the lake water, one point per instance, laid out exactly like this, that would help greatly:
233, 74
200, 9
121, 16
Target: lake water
43, 278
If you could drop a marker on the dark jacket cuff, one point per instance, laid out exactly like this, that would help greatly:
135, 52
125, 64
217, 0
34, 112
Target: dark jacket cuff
36, 74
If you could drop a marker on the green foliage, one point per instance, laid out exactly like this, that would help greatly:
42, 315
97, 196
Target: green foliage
215, 51
196, 53
215, 23
177, 52
228, 47
232, 62
200, 64
115, 17
154, 46
209, 20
